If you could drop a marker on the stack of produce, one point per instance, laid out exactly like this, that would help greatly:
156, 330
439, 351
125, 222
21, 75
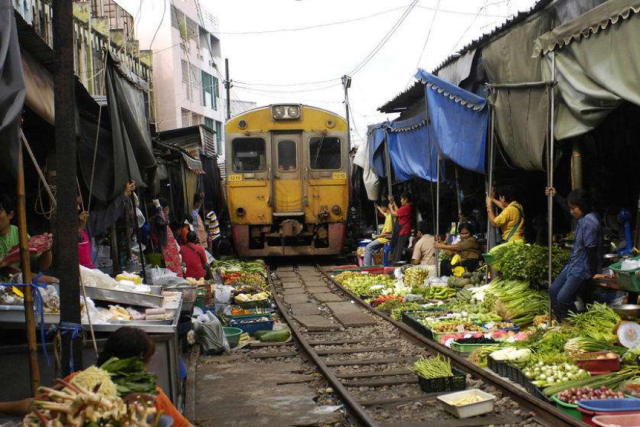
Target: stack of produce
467, 279
528, 263
597, 322
416, 276
547, 375
575, 395
518, 302
365, 284
612, 381
433, 367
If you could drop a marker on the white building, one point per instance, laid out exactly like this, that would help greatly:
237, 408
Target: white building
182, 37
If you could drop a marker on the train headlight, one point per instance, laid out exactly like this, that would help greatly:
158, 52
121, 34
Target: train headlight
286, 112
336, 210
240, 212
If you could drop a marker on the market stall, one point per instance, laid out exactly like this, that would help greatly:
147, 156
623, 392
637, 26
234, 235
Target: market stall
584, 365
111, 303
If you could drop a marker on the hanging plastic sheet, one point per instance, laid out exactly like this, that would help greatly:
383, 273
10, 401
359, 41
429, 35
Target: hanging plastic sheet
593, 78
413, 152
458, 121
12, 87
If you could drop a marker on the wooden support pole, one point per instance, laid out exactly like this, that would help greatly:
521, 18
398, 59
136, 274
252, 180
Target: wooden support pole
66, 227
25, 264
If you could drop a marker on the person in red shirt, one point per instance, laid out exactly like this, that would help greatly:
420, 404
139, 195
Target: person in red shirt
405, 224
194, 257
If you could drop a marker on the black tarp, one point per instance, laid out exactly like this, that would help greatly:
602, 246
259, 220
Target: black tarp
130, 150
213, 192
12, 87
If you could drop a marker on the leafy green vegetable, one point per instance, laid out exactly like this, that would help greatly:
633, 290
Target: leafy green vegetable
528, 263
597, 322
130, 376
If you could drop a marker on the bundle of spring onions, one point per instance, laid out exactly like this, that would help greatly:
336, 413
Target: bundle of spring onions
579, 345
597, 322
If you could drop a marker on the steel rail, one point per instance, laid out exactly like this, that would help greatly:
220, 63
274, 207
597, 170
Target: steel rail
542, 409
358, 410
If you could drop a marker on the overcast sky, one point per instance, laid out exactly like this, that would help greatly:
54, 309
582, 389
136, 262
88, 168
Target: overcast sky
261, 63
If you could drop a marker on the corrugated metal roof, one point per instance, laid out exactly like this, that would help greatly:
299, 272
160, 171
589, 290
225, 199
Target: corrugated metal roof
410, 96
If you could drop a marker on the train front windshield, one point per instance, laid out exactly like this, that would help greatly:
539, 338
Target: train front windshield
249, 154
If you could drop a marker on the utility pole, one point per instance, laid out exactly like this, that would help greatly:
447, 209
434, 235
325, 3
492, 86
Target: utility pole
346, 82
66, 227
227, 85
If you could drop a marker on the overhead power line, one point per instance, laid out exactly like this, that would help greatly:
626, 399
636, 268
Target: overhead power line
385, 39
315, 89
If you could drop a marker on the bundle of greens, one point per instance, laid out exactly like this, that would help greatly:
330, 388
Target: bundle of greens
578, 345
597, 322
528, 263
433, 367
517, 301
129, 376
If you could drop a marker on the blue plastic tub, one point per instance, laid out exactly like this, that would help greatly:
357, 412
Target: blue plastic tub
251, 327
610, 405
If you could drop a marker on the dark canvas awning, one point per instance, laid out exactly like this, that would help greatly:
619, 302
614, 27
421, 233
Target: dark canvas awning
597, 56
12, 87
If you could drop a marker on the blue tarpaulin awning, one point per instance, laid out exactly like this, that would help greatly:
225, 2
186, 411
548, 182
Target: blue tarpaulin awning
458, 121
413, 152
376, 140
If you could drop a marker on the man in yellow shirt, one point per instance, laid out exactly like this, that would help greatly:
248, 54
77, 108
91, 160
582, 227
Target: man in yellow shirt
511, 220
381, 239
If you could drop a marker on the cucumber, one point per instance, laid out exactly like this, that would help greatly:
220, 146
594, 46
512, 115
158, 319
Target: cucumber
276, 336
259, 334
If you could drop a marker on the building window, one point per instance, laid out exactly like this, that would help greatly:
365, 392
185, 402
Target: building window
177, 19
185, 72
208, 122
186, 118
208, 96
216, 91
218, 136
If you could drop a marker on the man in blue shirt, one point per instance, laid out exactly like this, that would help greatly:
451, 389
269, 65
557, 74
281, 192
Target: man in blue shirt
586, 254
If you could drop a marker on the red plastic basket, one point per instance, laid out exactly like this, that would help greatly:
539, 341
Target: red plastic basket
593, 365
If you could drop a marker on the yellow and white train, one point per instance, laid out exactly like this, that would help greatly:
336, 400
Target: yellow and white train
287, 181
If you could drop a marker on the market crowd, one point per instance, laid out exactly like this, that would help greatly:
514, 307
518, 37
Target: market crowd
403, 239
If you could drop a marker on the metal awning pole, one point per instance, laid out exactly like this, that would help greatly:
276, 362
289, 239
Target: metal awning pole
491, 161
550, 166
438, 210
388, 167
458, 196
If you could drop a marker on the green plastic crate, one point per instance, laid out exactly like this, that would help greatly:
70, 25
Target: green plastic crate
567, 408
628, 280
468, 348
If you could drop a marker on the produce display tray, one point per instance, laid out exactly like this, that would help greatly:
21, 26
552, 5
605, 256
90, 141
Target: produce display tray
468, 348
263, 303
457, 382
484, 406
416, 325
15, 314
123, 297
567, 408
250, 327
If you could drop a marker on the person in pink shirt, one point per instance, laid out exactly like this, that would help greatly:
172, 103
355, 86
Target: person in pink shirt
405, 222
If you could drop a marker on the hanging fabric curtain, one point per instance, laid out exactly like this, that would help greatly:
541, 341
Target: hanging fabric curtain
458, 121
597, 56
12, 87
413, 152
521, 115
362, 159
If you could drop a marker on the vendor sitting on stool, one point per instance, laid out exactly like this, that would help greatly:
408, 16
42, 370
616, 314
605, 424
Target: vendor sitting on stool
585, 260
468, 249
383, 237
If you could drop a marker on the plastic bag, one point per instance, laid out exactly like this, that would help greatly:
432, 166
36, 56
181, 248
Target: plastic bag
222, 299
210, 335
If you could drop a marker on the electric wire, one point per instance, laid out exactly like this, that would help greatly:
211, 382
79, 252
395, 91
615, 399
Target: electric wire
384, 40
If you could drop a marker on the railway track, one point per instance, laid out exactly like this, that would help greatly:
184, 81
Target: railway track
365, 357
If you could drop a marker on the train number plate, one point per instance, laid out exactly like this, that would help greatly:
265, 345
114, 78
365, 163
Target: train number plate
339, 175
235, 178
